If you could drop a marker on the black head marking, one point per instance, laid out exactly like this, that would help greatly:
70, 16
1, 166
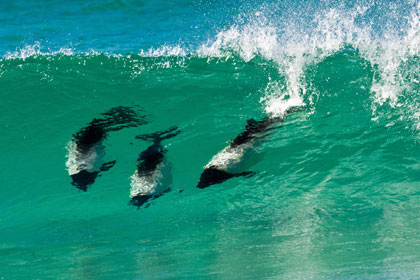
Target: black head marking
89, 136
150, 158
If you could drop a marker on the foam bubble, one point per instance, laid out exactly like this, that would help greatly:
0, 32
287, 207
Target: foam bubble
35, 50
164, 50
247, 41
386, 45
386, 35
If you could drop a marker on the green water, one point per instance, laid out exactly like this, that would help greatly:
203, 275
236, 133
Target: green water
335, 193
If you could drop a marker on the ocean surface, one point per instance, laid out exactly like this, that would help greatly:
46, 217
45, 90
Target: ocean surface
335, 192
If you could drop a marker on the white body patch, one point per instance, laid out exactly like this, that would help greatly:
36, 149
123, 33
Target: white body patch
90, 161
155, 183
229, 158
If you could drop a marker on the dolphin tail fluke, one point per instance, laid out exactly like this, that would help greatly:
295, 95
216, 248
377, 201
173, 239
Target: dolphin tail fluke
160, 135
121, 117
107, 165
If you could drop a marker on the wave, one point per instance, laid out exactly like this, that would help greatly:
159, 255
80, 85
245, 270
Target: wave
293, 48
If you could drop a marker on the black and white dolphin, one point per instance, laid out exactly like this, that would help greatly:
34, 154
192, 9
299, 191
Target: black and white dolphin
153, 175
86, 150
227, 163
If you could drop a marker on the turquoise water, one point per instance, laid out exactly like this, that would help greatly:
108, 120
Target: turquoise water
335, 193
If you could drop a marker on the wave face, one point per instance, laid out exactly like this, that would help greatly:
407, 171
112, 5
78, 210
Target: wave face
335, 194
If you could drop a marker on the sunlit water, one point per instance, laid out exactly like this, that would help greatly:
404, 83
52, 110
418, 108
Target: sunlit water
335, 193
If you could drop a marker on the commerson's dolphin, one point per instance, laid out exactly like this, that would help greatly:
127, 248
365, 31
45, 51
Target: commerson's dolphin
227, 163
153, 175
86, 150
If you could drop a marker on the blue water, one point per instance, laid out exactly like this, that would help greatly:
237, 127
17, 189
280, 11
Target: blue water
111, 26
334, 190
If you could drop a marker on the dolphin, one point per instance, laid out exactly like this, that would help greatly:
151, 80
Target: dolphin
152, 177
86, 150
226, 164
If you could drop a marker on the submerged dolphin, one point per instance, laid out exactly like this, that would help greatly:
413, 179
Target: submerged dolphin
226, 163
86, 150
152, 177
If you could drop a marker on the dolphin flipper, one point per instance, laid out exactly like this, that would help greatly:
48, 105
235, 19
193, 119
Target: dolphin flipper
212, 176
246, 174
107, 165
142, 199
139, 200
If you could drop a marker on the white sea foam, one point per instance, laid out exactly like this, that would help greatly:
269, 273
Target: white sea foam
35, 50
247, 41
300, 40
164, 50
291, 48
294, 48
